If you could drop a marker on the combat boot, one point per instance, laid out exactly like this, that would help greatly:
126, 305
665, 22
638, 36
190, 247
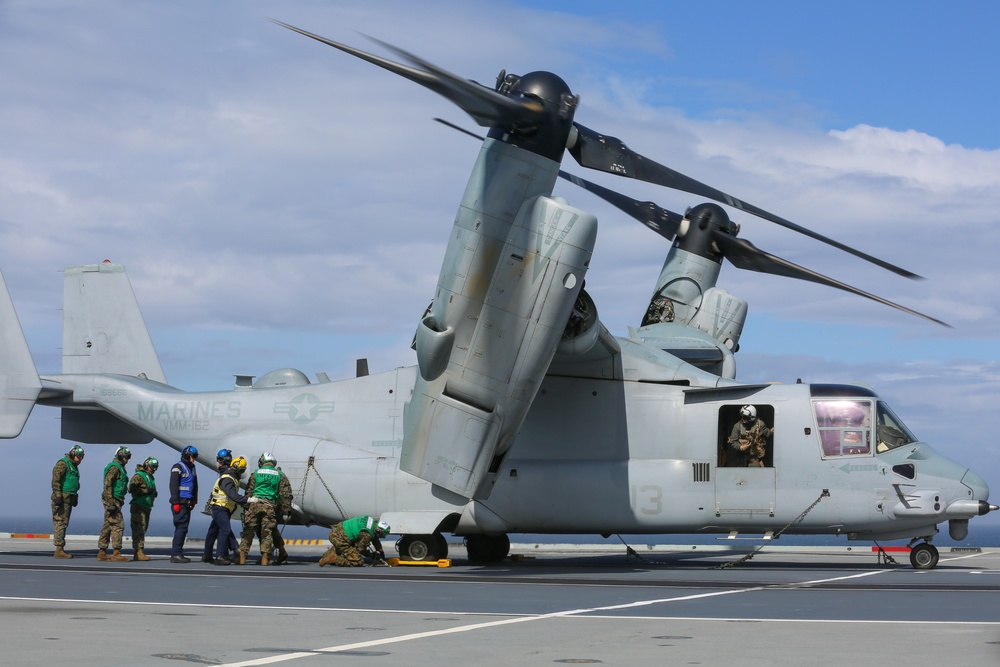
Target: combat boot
117, 557
243, 558
329, 558
265, 559
102, 555
140, 555
61, 554
282, 557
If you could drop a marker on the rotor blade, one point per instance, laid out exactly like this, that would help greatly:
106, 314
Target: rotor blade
745, 255
596, 151
660, 220
486, 106
460, 129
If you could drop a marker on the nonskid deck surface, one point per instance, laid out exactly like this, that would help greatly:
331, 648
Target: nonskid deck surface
551, 607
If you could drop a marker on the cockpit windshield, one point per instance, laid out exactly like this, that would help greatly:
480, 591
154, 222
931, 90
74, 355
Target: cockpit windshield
844, 426
890, 432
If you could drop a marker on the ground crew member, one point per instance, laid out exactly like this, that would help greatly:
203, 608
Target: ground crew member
223, 460
183, 498
113, 497
351, 539
142, 486
65, 487
225, 497
269, 495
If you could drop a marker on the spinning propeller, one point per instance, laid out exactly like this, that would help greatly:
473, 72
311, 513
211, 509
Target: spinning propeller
535, 112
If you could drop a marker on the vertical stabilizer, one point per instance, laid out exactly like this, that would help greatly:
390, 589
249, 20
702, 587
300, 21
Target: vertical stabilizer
103, 330
19, 384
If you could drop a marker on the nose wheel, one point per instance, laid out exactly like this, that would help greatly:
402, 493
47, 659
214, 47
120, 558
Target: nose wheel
924, 556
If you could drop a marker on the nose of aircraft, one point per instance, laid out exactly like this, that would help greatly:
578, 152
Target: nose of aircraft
980, 490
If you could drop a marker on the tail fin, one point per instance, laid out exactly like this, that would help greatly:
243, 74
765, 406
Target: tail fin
19, 383
103, 329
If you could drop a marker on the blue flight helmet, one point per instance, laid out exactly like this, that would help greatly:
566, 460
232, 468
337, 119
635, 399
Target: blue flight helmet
224, 457
189, 453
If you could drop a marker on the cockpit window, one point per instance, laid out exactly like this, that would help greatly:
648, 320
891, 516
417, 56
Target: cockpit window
844, 426
890, 432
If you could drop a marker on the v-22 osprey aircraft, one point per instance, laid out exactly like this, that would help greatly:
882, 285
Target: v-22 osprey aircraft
523, 413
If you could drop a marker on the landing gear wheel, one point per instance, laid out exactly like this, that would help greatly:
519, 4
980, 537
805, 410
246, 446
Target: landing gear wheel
422, 547
924, 556
487, 548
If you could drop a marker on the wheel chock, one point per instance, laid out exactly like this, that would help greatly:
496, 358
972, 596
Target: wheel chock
440, 562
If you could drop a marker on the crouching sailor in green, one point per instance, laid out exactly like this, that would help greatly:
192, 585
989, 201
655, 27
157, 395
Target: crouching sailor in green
113, 497
65, 487
350, 540
142, 486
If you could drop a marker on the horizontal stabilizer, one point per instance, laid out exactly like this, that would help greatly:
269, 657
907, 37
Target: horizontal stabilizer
19, 383
103, 329
93, 427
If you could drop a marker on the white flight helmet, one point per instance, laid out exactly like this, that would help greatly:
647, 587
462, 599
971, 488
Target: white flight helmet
748, 413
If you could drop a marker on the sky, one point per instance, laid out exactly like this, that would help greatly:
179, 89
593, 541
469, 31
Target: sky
278, 203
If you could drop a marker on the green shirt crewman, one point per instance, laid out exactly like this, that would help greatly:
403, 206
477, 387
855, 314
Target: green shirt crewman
269, 495
65, 490
142, 487
113, 497
351, 538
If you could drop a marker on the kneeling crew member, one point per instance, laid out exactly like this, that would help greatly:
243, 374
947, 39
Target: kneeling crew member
351, 539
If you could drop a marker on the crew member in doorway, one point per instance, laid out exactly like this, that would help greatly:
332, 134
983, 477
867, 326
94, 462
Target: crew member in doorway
748, 441
113, 497
142, 486
183, 498
65, 487
351, 539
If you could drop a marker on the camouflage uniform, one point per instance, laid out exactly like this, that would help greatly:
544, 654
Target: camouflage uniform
351, 539
267, 500
750, 457
65, 485
142, 486
113, 497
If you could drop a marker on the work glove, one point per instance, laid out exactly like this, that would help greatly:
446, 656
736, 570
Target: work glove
73, 501
176, 508
57, 503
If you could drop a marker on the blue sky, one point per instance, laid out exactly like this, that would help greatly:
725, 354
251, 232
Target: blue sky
279, 204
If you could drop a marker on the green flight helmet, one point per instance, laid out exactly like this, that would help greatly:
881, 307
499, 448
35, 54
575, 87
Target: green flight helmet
151, 464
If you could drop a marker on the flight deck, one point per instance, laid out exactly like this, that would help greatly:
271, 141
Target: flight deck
546, 606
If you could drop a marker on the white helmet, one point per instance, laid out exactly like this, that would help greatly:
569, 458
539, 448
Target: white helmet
748, 412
